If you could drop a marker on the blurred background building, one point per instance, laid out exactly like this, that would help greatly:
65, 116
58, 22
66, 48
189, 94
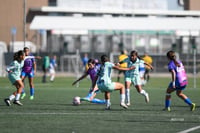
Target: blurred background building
102, 26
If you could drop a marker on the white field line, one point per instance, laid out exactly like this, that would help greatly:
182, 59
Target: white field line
171, 117
190, 129
50, 113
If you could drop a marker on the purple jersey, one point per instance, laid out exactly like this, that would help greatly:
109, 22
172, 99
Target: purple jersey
28, 65
181, 76
92, 72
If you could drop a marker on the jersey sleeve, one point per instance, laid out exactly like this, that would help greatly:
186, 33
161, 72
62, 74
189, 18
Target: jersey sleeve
11, 66
170, 66
29, 57
111, 64
141, 61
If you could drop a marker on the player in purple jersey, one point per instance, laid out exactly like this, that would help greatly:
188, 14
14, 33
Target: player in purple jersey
178, 83
28, 70
92, 71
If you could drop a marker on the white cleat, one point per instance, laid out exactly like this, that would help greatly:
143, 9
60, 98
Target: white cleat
18, 102
147, 98
7, 101
123, 105
128, 104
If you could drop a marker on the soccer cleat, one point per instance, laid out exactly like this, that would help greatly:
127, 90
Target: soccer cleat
167, 109
85, 99
128, 104
123, 105
18, 102
108, 107
23, 95
31, 97
147, 98
192, 107
7, 101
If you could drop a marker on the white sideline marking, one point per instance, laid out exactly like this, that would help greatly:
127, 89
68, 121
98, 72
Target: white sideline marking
177, 119
83, 113
50, 113
190, 129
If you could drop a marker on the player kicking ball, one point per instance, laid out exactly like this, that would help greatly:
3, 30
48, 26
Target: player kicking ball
105, 84
92, 69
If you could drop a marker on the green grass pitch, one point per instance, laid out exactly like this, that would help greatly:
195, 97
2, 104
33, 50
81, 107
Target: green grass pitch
52, 112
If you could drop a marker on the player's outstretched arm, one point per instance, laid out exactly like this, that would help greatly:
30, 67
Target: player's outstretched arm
79, 79
9, 68
123, 68
149, 65
38, 57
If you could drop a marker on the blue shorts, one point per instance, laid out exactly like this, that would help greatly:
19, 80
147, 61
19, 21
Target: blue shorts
178, 87
30, 75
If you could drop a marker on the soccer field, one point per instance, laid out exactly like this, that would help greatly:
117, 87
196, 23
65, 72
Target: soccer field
52, 112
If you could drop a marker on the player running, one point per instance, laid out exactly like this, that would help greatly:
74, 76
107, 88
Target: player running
147, 59
52, 67
178, 83
105, 84
93, 66
28, 70
133, 77
142, 72
14, 72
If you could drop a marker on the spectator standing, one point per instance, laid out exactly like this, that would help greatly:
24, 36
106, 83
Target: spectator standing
45, 67
85, 61
52, 67
147, 59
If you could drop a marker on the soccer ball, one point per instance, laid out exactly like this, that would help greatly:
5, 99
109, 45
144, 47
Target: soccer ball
76, 100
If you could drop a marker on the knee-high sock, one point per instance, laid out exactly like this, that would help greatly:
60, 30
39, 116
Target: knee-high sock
98, 101
17, 96
188, 101
127, 95
167, 103
122, 98
32, 91
52, 78
11, 97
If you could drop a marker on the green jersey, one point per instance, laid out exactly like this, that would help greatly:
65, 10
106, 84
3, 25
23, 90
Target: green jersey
104, 73
15, 69
136, 64
46, 62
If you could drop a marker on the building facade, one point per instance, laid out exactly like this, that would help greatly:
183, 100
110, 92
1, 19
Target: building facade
12, 19
108, 34
12, 25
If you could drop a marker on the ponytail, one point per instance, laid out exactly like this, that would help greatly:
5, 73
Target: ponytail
15, 57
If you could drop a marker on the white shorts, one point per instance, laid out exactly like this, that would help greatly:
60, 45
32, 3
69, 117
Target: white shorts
52, 71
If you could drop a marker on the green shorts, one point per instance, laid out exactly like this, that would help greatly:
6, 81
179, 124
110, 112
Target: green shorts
106, 87
134, 80
13, 78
